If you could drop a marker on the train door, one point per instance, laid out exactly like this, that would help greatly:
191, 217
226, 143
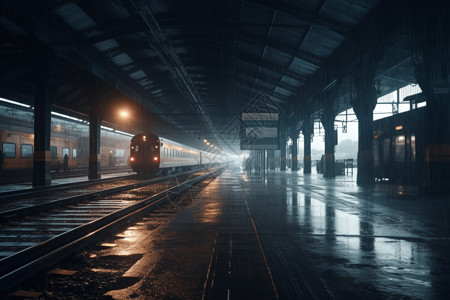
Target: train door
26, 156
9, 155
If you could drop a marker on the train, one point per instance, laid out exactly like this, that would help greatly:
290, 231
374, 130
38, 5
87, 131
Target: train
399, 148
17, 146
151, 155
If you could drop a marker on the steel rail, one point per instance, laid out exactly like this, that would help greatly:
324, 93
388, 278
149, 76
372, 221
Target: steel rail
23, 211
16, 268
39, 191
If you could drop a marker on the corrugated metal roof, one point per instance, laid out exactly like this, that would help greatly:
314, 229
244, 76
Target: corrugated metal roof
191, 55
121, 59
106, 45
74, 16
321, 41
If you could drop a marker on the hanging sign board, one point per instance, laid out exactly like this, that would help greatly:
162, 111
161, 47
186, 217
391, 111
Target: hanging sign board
260, 131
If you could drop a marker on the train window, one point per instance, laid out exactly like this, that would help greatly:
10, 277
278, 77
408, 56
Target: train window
9, 150
136, 149
74, 153
27, 151
53, 152
400, 148
65, 151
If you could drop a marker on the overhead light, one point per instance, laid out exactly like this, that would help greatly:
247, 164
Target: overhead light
14, 102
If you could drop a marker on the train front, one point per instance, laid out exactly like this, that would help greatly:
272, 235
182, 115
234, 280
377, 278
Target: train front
145, 154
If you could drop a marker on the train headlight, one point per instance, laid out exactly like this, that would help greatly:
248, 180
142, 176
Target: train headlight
132, 158
155, 158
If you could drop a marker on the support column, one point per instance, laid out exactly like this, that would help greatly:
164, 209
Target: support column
363, 105
307, 130
283, 149
42, 123
327, 120
94, 139
294, 137
271, 159
363, 108
433, 76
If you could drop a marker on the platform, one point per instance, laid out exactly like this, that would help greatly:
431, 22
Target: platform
57, 181
294, 236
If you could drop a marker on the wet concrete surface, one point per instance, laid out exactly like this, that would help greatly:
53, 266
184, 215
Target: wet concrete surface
361, 243
209, 250
290, 236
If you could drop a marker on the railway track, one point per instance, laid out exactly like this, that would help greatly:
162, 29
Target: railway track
35, 237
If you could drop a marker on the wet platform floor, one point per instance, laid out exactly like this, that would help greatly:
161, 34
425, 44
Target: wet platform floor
294, 236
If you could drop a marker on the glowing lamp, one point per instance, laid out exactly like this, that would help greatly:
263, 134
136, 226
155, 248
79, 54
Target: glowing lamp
400, 127
132, 158
155, 158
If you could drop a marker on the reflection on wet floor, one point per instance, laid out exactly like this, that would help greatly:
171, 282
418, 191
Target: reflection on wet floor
366, 243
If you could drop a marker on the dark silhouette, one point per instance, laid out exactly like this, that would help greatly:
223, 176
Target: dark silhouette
1, 161
66, 163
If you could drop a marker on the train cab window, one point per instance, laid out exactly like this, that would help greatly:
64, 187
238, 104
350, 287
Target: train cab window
53, 152
400, 148
136, 148
27, 151
9, 150
65, 151
74, 153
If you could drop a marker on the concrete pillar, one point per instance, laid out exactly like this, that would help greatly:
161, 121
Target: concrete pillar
433, 76
42, 133
44, 91
307, 128
294, 137
271, 159
94, 138
363, 107
283, 148
327, 119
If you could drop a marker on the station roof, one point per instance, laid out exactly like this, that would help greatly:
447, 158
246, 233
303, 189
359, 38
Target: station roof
194, 65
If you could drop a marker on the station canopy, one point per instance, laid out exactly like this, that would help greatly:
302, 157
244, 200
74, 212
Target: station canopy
191, 66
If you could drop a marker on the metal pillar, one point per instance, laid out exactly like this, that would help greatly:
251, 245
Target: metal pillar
364, 112
327, 120
307, 128
293, 132
363, 105
283, 149
42, 123
94, 140
432, 76
294, 138
271, 159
